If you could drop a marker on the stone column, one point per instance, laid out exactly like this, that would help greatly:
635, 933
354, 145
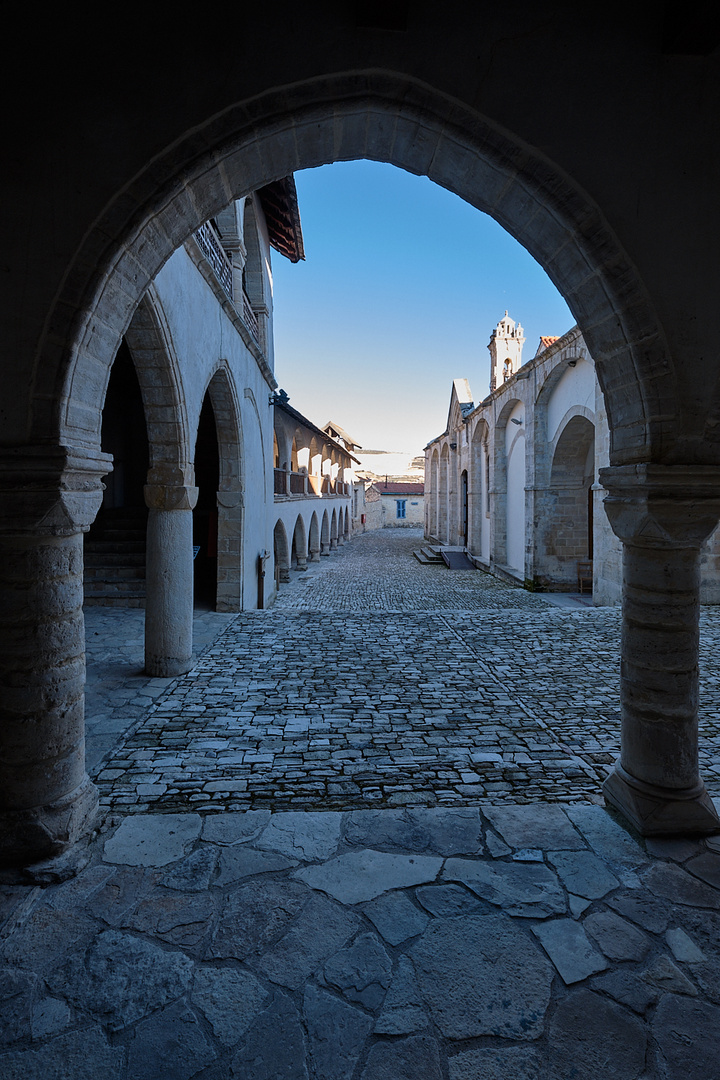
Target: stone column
49, 496
301, 562
324, 549
169, 577
662, 514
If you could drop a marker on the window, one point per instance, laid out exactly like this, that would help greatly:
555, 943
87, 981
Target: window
400, 507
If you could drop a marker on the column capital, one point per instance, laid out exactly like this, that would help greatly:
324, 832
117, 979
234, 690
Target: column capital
659, 506
50, 490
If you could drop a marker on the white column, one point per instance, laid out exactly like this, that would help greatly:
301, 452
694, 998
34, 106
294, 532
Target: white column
169, 579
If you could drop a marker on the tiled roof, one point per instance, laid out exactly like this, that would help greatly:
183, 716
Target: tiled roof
546, 342
398, 489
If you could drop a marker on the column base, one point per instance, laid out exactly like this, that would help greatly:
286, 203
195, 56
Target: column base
167, 667
314, 556
42, 832
656, 811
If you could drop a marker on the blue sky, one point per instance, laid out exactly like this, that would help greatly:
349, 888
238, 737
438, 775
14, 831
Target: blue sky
402, 285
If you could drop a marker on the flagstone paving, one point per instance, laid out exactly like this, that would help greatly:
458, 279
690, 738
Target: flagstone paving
366, 844
409, 944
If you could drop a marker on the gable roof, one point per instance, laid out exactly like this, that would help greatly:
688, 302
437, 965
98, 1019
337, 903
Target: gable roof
460, 400
545, 343
280, 206
336, 432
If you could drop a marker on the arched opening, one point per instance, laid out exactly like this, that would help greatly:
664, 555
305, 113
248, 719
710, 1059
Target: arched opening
444, 496
314, 539
281, 554
566, 530
479, 511
325, 534
205, 513
514, 446
299, 546
385, 117
114, 548
464, 518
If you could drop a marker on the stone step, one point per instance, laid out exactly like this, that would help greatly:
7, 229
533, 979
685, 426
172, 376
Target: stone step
96, 585
422, 558
115, 547
112, 558
115, 573
113, 600
428, 554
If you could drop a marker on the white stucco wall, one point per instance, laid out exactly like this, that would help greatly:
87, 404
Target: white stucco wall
204, 340
576, 386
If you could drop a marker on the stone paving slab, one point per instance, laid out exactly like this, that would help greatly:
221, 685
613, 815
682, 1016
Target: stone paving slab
357, 963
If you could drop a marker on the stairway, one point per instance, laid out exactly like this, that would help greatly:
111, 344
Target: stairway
115, 558
428, 555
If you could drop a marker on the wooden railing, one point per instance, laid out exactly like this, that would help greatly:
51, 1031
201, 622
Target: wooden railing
280, 487
297, 483
250, 318
209, 243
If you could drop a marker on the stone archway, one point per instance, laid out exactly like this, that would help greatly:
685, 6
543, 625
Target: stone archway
299, 546
314, 539
565, 534
230, 507
359, 114
281, 553
325, 534
385, 118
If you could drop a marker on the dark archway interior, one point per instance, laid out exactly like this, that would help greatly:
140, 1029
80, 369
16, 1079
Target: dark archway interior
205, 514
114, 547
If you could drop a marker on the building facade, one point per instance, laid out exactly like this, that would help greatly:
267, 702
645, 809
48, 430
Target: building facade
515, 478
314, 485
395, 505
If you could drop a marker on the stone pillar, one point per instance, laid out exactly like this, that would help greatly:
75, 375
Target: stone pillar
169, 577
324, 549
49, 496
333, 543
301, 562
662, 514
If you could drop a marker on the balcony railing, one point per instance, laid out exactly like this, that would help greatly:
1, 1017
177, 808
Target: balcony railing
209, 243
297, 483
250, 318
302, 483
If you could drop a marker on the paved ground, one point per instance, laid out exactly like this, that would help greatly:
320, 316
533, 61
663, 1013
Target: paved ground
524, 943
478, 940
374, 681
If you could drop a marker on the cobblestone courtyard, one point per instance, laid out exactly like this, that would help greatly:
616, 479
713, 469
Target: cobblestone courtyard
373, 682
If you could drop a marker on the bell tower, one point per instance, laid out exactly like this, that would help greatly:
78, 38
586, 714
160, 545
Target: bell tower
506, 342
